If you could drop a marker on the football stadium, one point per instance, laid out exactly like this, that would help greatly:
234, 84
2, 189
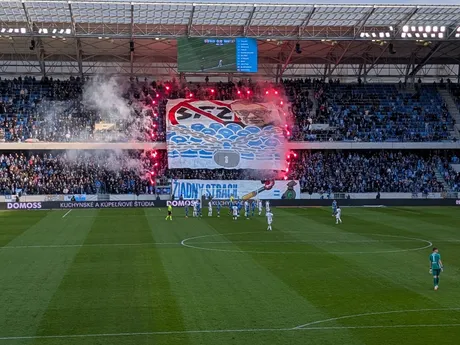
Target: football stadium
227, 172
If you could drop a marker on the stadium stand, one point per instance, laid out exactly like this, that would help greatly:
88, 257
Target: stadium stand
52, 110
354, 172
318, 172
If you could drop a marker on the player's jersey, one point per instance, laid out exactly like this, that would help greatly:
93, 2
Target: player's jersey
169, 208
269, 217
218, 205
210, 204
235, 210
434, 260
246, 206
334, 205
260, 205
338, 213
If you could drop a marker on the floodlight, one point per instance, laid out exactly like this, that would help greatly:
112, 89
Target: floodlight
362, 34
54, 31
409, 35
23, 30
68, 31
405, 28
403, 35
387, 34
10, 30
391, 28
457, 35
435, 28
45, 31
441, 35
61, 31
3, 30
381, 34
425, 35
16, 31
417, 35
442, 28
40, 31
413, 28
428, 28
374, 34
433, 35
420, 28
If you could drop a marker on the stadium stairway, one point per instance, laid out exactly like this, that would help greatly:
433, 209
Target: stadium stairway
311, 96
453, 110
440, 179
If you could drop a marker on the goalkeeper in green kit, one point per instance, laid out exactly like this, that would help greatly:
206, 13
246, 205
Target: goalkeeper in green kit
435, 266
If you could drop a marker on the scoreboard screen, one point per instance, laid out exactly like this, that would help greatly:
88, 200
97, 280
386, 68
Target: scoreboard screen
217, 55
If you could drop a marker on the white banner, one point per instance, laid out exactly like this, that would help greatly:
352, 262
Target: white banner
225, 135
221, 189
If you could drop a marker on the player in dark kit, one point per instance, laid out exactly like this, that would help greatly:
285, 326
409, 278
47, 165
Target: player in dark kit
435, 266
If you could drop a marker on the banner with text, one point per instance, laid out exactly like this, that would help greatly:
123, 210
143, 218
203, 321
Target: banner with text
225, 135
194, 189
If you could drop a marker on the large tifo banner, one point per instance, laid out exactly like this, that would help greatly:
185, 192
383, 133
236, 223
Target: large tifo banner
225, 134
194, 189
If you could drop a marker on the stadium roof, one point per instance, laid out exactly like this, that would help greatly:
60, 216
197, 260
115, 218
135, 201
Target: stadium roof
79, 31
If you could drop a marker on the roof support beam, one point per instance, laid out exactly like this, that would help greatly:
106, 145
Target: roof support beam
248, 21
39, 48
357, 32
306, 21
131, 42
427, 58
78, 48
288, 60
190, 21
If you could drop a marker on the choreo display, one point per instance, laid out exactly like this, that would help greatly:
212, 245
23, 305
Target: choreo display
225, 135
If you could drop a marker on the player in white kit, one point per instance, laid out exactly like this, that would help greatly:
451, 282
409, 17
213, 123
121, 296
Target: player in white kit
235, 212
210, 208
260, 207
269, 216
246, 209
195, 208
337, 216
267, 206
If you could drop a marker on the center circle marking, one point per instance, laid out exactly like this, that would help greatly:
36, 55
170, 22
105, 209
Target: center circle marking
186, 243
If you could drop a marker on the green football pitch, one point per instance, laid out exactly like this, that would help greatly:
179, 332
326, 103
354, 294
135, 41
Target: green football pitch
128, 277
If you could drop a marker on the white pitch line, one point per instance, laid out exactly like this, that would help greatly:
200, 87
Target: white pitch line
66, 213
214, 331
307, 325
90, 245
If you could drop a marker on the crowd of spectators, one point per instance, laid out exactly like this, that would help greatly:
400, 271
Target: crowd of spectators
356, 172
78, 173
130, 172
371, 112
55, 110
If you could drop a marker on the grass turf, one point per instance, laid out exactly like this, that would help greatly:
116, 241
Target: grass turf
123, 277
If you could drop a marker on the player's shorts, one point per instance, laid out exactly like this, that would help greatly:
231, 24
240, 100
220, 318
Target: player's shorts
169, 213
436, 272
